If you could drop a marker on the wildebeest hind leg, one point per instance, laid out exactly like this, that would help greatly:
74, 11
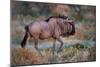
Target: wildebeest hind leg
36, 38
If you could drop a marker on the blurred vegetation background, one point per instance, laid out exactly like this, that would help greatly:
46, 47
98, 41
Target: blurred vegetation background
35, 10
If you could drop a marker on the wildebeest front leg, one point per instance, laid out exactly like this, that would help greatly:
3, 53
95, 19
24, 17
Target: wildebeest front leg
54, 43
59, 49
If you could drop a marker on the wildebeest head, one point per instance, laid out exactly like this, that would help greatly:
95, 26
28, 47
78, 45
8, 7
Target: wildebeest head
70, 27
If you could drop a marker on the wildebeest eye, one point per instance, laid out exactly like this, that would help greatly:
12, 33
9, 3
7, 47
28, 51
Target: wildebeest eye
65, 22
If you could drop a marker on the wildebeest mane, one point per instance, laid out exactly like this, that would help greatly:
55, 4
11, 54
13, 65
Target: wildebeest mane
60, 16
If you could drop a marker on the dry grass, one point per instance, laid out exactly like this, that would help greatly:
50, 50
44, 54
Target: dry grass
21, 56
92, 56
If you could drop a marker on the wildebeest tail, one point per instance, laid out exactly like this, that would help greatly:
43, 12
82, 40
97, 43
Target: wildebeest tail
23, 43
26, 28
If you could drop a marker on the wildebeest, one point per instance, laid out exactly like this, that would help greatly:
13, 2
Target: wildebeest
53, 27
